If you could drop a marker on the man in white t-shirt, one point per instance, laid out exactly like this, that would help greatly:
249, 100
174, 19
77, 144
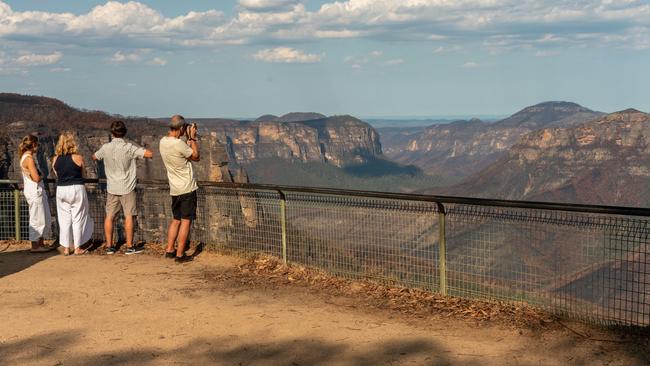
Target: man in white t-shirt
119, 158
178, 155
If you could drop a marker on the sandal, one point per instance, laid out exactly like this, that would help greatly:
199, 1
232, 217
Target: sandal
80, 251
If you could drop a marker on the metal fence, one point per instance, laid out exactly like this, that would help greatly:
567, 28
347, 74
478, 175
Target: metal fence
585, 262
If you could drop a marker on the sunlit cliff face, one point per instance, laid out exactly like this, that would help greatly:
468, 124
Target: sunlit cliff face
604, 161
338, 141
462, 148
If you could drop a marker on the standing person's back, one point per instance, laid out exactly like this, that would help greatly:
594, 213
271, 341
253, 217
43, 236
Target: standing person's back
120, 166
40, 217
73, 211
177, 155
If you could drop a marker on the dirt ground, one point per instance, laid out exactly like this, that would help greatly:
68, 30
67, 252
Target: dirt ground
146, 310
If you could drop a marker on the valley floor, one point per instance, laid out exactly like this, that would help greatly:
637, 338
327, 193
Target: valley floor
145, 310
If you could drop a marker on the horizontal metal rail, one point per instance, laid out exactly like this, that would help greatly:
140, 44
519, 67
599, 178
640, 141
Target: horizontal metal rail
535, 205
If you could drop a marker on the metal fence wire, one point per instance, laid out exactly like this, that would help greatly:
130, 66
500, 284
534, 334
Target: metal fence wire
592, 266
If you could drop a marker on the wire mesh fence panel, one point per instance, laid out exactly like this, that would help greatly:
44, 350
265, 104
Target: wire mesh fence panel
388, 240
97, 202
9, 197
7, 218
154, 213
243, 219
587, 266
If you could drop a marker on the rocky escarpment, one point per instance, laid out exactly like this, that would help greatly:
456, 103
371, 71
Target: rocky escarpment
462, 148
47, 117
338, 140
605, 161
213, 165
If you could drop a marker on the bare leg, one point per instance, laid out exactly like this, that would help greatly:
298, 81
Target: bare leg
183, 234
108, 231
172, 233
128, 227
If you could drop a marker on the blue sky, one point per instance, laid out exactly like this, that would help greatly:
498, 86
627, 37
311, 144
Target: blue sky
244, 58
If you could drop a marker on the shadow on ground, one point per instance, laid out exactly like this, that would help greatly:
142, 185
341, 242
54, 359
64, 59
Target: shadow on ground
16, 261
55, 348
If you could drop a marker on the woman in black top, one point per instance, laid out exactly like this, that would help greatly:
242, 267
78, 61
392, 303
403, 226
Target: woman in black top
73, 211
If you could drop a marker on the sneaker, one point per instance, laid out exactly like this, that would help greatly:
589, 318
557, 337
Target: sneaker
170, 255
134, 250
183, 259
111, 250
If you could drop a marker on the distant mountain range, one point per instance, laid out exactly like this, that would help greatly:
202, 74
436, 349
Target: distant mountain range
461, 148
604, 161
291, 117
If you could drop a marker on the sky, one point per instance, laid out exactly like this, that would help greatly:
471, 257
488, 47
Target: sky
372, 58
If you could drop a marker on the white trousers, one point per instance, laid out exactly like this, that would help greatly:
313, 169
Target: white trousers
75, 224
40, 217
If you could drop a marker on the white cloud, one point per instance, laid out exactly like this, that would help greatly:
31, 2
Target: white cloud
356, 60
33, 59
159, 61
286, 55
268, 5
397, 61
436, 37
498, 25
470, 65
60, 69
120, 57
136, 57
448, 49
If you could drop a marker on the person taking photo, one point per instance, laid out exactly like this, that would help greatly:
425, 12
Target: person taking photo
178, 155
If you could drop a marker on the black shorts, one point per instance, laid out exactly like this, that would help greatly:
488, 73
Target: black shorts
184, 206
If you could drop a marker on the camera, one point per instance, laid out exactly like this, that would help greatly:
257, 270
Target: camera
188, 127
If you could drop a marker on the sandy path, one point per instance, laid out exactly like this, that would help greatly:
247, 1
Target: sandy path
101, 310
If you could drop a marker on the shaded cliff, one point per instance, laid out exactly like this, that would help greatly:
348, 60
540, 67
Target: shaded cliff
461, 148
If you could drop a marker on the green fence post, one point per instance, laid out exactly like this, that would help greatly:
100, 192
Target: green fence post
17, 212
442, 236
283, 223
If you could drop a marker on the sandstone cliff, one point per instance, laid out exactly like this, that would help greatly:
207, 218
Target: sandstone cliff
605, 161
213, 165
462, 148
338, 140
